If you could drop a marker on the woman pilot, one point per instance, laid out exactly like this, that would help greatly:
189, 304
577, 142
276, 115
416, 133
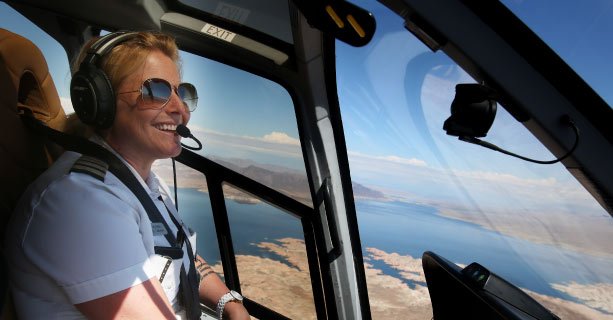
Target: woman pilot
81, 244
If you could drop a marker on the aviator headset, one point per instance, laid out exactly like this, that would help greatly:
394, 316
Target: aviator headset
91, 91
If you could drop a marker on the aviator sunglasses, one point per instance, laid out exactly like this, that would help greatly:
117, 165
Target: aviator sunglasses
155, 94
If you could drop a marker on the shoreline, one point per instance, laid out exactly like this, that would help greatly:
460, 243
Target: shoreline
515, 229
390, 296
512, 231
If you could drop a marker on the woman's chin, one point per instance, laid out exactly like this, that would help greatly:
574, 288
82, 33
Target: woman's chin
177, 150
176, 153
170, 151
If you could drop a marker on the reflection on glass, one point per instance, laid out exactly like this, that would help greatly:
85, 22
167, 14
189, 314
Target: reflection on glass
194, 207
248, 124
270, 255
534, 225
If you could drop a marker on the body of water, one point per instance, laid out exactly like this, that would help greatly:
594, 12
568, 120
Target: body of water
411, 229
406, 229
250, 224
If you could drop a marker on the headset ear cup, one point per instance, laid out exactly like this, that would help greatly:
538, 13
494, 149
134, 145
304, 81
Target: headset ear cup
90, 88
92, 97
106, 101
83, 97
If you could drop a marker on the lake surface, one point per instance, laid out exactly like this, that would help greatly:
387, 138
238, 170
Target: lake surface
412, 229
407, 229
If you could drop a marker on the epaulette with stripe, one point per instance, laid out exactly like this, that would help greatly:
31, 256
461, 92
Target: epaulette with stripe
91, 166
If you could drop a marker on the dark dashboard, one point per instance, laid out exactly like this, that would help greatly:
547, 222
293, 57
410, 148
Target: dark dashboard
476, 293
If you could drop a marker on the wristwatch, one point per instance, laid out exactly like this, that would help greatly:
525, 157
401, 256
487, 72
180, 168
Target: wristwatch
230, 296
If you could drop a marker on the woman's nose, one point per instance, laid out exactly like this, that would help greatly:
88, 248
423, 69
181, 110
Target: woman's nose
177, 109
175, 104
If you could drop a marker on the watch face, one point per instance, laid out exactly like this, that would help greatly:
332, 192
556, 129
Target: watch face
236, 295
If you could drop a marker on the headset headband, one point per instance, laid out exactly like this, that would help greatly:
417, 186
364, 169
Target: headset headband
105, 44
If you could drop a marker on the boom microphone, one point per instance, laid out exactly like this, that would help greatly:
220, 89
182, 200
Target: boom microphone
184, 132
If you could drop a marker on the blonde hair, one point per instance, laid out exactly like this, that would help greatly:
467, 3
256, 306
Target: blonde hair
129, 56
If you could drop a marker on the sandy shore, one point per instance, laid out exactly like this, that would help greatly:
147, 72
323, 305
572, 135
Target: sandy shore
285, 286
589, 235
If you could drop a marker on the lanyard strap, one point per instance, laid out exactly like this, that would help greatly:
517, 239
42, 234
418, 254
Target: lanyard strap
181, 237
189, 279
123, 173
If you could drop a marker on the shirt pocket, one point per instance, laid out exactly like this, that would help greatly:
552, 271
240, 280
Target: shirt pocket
171, 280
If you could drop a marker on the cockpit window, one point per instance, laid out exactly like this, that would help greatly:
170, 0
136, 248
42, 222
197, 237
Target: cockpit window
248, 124
421, 189
271, 255
582, 40
270, 16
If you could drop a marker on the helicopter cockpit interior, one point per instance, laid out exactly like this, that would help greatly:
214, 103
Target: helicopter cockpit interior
391, 159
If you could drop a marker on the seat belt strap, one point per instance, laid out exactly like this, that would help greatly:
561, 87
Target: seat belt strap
123, 173
189, 285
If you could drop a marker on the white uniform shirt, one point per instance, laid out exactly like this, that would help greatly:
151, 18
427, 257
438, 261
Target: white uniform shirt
74, 238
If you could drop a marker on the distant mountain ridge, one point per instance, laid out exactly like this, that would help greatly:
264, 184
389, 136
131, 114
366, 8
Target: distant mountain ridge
291, 181
286, 180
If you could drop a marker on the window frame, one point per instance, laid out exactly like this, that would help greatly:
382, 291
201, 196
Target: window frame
216, 175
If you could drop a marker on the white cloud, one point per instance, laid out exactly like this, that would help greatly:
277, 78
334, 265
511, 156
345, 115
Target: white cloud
505, 178
407, 167
391, 158
67, 105
273, 137
412, 161
489, 189
277, 143
196, 128
280, 137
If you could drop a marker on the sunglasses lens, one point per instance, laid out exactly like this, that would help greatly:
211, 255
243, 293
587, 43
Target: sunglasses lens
187, 93
155, 93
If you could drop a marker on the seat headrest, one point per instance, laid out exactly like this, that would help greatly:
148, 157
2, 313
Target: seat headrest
24, 155
25, 79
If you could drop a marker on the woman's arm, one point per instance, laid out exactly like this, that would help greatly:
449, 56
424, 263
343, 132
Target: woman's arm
144, 301
211, 289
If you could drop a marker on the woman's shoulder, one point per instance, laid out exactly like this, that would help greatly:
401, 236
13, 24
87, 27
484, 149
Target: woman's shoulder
61, 200
72, 169
73, 178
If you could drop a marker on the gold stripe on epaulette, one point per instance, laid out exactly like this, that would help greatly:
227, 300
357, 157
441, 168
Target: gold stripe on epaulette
91, 166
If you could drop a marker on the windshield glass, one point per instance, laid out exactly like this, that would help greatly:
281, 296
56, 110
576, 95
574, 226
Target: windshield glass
582, 39
421, 189
254, 132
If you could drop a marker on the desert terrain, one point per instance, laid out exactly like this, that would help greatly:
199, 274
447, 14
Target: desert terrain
284, 286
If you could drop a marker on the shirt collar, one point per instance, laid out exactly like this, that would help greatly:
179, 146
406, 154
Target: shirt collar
151, 185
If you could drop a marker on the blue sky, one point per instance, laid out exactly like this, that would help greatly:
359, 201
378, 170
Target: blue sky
239, 115
51, 48
229, 96
579, 31
395, 95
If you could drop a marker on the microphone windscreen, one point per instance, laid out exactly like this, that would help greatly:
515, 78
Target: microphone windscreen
183, 131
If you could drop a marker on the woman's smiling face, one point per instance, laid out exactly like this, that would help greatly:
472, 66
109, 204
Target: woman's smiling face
142, 134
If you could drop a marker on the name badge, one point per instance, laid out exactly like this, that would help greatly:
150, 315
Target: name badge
158, 229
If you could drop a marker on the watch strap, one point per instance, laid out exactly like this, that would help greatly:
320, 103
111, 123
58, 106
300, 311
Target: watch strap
229, 296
